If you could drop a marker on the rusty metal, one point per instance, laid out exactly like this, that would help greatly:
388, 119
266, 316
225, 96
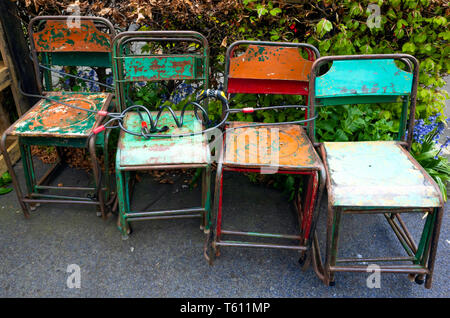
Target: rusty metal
268, 67
327, 59
98, 44
55, 124
137, 151
427, 199
270, 62
293, 149
47, 119
58, 37
273, 68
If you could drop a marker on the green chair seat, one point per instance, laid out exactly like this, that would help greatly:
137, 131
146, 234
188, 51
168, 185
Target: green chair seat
136, 151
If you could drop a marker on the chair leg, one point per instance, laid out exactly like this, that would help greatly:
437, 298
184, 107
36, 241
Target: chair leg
206, 199
333, 225
210, 249
433, 245
106, 163
123, 224
218, 208
308, 219
97, 176
13, 175
28, 168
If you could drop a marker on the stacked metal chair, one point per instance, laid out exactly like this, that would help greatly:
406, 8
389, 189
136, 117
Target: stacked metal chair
376, 177
364, 177
52, 121
136, 152
269, 68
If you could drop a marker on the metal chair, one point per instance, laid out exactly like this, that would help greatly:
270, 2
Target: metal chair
138, 153
283, 148
51, 123
376, 177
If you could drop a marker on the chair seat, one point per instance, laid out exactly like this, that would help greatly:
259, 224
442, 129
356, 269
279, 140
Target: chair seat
181, 151
284, 146
377, 174
50, 119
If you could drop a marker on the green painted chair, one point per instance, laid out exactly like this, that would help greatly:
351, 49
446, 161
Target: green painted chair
56, 43
376, 177
138, 153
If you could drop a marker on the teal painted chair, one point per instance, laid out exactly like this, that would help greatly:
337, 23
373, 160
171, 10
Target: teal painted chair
138, 153
54, 42
376, 177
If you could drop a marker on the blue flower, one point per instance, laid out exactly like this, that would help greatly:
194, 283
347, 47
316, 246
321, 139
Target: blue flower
422, 129
109, 80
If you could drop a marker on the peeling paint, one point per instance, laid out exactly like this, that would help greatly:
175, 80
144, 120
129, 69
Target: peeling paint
363, 77
377, 174
52, 119
58, 37
256, 146
139, 151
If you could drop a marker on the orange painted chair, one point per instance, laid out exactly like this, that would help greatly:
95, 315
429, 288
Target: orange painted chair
284, 148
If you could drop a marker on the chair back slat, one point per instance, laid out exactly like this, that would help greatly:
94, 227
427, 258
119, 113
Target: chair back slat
158, 68
268, 68
69, 41
133, 64
363, 78
58, 36
367, 79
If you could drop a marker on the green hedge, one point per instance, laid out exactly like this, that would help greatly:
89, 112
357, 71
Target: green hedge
419, 28
335, 27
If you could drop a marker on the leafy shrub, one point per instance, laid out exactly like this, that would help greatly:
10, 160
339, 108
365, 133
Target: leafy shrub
334, 27
420, 28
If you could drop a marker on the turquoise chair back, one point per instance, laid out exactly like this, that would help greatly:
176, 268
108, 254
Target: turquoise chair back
367, 79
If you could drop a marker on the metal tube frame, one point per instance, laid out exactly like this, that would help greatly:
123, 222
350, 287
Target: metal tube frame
422, 256
315, 189
33, 186
126, 215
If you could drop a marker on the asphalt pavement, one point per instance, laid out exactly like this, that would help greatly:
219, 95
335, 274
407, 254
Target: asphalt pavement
165, 258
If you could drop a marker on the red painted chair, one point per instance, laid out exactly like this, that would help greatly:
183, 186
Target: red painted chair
268, 68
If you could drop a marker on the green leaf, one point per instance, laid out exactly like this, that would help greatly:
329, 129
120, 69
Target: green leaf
5, 190
442, 187
324, 45
261, 10
323, 27
275, 11
408, 47
340, 135
6, 178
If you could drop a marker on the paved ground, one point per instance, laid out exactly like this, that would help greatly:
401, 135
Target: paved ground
164, 258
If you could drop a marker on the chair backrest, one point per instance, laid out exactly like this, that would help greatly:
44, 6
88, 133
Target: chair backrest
70, 41
269, 68
366, 79
131, 67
